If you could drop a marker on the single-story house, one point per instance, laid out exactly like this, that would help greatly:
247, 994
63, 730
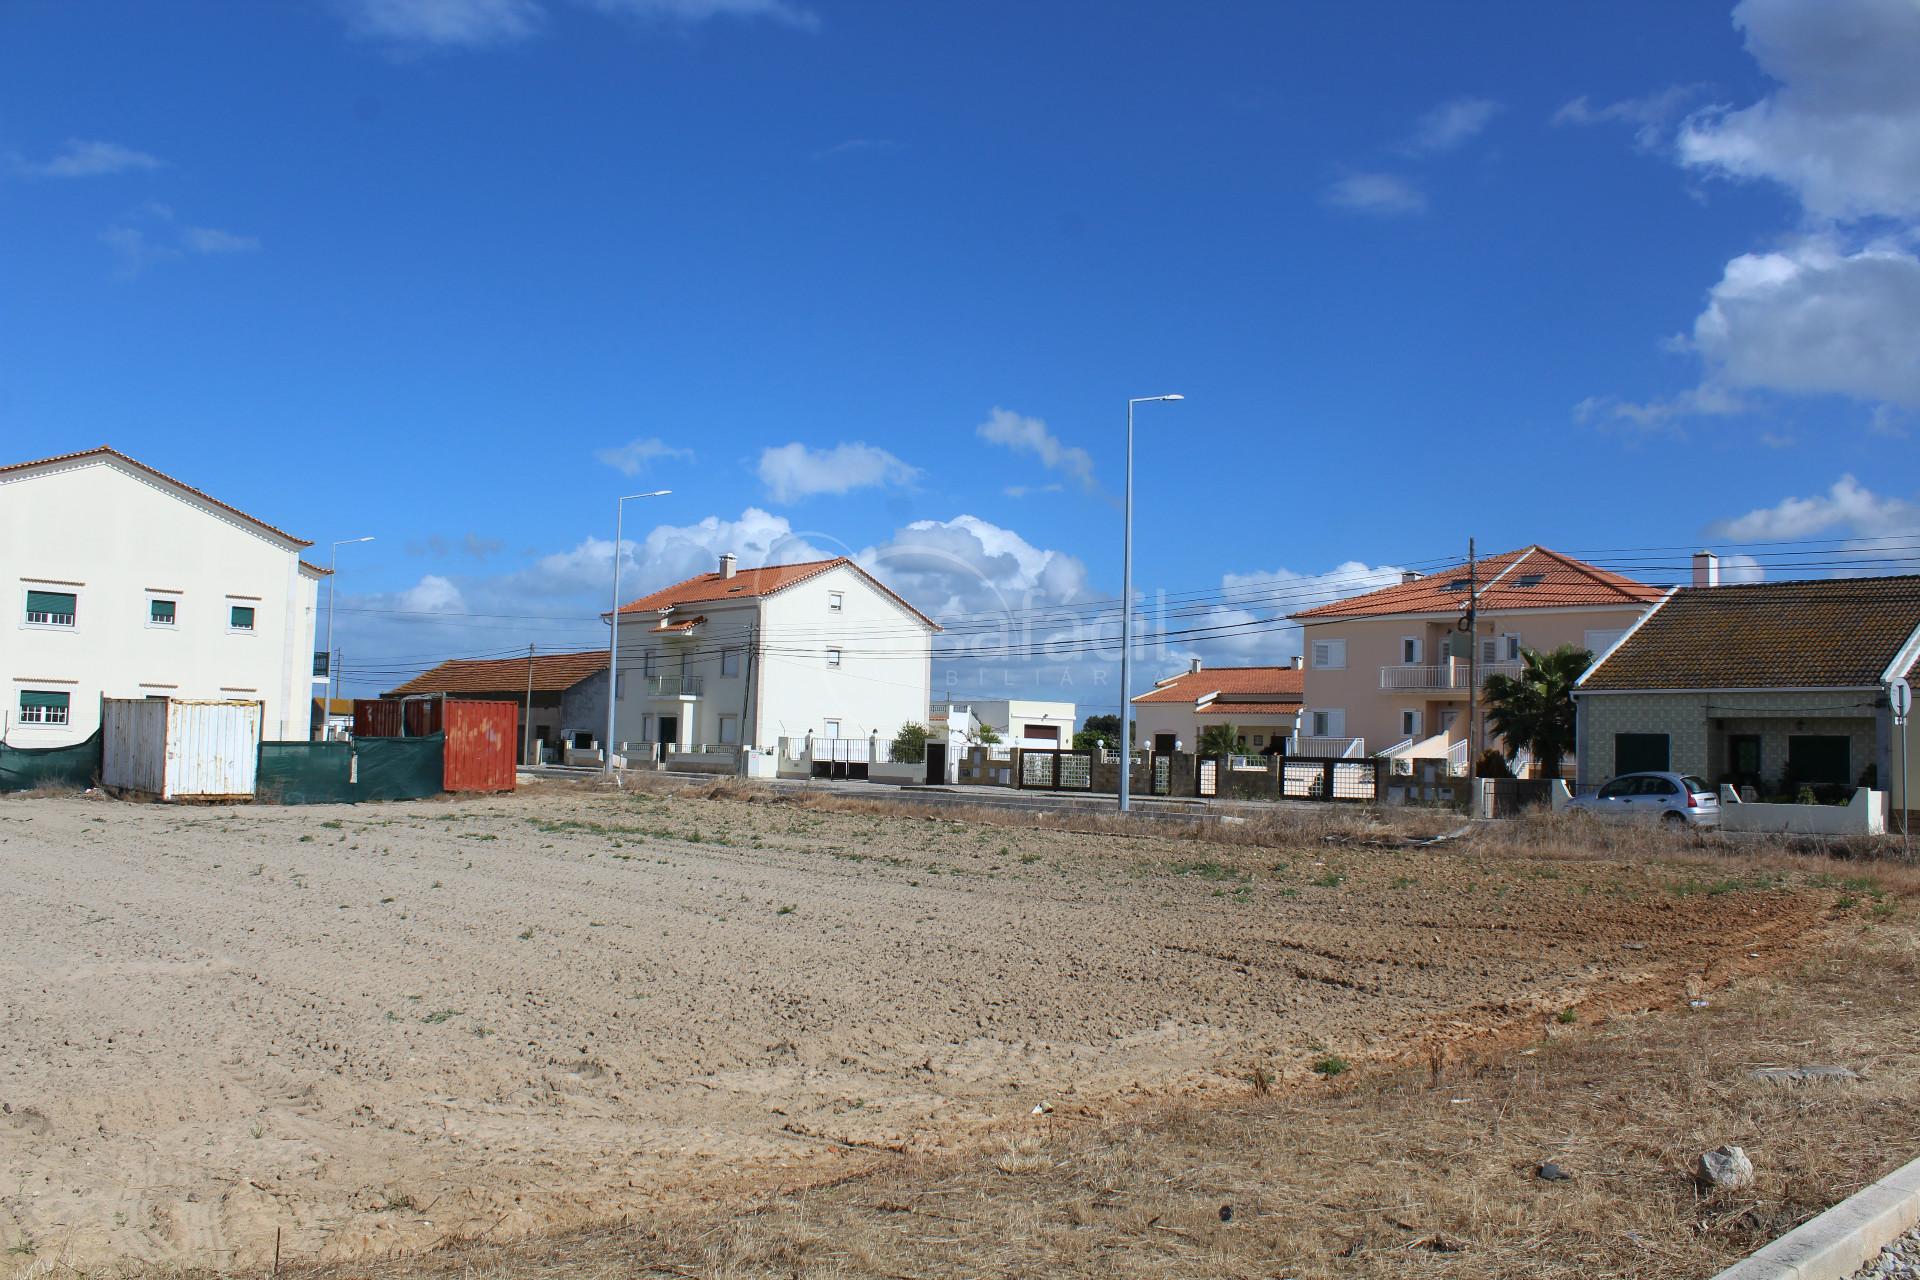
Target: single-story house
1773, 685
1019, 722
1261, 703
539, 679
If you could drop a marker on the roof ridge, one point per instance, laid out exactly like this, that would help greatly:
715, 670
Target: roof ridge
107, 450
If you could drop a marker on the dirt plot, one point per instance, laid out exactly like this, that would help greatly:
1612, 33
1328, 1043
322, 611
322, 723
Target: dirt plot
380, 1028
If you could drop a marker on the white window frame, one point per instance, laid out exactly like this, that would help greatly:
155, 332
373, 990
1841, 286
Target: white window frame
647, 727
1329, 655
252, 629
729, 662
54, 588
1327, 722
830, 729
836, 602
620, 687
1510, 646
1410, 651
833, 657
1410, 722
729, 731
1259, 739
169, 597
66, 712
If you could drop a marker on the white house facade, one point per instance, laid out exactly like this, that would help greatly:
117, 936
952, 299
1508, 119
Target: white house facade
122, 582
745, 657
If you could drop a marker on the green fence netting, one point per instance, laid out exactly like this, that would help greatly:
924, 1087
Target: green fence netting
24, 768
399, 768
305, 773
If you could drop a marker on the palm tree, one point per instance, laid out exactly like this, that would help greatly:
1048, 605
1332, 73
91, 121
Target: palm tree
1534, 710
1220, 740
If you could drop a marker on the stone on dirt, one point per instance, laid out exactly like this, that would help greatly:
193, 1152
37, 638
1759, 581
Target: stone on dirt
1551, 1172
1805, 1075
1723, 1168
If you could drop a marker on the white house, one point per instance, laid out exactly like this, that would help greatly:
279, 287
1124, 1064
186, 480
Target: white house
1019, 722
125, 583
745, 657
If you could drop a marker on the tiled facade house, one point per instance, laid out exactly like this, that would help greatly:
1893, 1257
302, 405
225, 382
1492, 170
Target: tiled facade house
1770, 685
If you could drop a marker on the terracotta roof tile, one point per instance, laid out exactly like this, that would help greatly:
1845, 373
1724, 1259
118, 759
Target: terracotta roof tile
1835, 632
1530, 578
552, 673
105, 451
747, 584
1245, 684
1277, 707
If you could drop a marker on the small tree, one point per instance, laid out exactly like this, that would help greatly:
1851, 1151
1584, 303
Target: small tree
1104, 727
1220, 740
1534, 710
988, 735
1088, 740
910, 744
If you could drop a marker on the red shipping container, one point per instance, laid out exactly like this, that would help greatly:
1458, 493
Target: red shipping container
481, 747
376, 718
421, 717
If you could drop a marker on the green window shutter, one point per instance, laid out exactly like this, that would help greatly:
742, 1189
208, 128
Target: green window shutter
32, 698
60, 602
242, 617
161, 610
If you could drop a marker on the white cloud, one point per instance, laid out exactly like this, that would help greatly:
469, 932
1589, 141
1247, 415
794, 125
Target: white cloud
971, 567
432, 594
214, 240
1247, 626
1383, 194
794, 471
453, 23
151, 234
1698, 402
634, 456
1843, 129
1847, 506
853, 146
1652, 115
691, 11
1031, 435
1739, 568
1029, 490
81, 158
1452, 124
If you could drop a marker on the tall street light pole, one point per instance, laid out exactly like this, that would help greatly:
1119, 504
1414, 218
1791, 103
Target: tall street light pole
1126, 620
613, 621
333, 673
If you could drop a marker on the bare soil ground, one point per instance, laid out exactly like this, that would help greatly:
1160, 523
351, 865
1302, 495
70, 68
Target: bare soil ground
377, 1030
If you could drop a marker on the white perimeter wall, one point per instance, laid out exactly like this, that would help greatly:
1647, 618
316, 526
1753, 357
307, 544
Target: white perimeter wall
118, 533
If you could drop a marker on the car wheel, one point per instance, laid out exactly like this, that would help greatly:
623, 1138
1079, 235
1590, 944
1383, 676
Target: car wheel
1675, 819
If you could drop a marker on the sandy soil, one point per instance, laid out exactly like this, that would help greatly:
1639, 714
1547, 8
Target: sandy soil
371, 1029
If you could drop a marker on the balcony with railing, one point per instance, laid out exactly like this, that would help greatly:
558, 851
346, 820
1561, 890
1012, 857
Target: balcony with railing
670, 686
1451, 676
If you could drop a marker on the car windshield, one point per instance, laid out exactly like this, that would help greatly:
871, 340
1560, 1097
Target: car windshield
1618, 787
1698, 786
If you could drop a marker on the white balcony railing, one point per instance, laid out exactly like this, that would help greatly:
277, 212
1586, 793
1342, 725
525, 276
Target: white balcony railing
671, 686
1324, 748
1447, 677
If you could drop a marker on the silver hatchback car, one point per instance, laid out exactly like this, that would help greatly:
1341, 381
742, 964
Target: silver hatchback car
1654, 797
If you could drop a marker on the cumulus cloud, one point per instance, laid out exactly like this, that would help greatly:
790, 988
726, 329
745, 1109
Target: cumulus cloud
634, 456
1843, 128
84, 158
1031, 435
1452, 124
794, 471
969, 566
1847, 506
1248, 627
1380, 194
474, 23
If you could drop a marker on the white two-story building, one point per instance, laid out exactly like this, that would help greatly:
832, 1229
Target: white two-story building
745, 657
122, 582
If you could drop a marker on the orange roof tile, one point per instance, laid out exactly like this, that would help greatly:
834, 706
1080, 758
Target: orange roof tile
1244, 684
552, 673
1278, 707
748, 584
106, 451
1530, 578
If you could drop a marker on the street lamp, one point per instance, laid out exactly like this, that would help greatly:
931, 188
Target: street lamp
1126, 620
333, 673
613, 620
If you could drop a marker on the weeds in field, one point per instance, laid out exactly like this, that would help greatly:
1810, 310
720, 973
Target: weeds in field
1331, 880
1208, 870
439, 1016
1330, 1066
526, 934
333, 824
1261, 1079
1566, 1017
1028, 859
788, 909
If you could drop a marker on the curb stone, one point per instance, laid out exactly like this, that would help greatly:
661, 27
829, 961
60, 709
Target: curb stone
1843, 1239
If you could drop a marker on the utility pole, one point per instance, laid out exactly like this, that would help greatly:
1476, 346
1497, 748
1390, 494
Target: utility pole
526, 749
1473, 663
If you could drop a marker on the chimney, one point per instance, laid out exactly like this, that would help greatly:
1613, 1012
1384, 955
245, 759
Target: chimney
1299, 661
1706, 569
1408, 575
1193, 666
726, 565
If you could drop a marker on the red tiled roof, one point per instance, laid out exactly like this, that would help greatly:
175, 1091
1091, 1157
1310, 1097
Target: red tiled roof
1563, 583
747, 584
105, 451
1261, 684
552, 673
1277, 707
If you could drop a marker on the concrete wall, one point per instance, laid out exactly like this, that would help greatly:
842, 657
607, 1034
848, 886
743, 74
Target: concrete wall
1864, 815
1373, 713
116, 537
1698, 725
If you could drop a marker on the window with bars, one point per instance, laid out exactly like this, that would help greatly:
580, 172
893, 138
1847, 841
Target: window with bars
52, 608
240, 617
44, 707
161, 613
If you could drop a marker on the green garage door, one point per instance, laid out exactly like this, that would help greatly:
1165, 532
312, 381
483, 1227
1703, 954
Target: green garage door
1639, 753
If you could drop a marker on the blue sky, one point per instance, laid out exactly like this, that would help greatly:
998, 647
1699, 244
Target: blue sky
879, 278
